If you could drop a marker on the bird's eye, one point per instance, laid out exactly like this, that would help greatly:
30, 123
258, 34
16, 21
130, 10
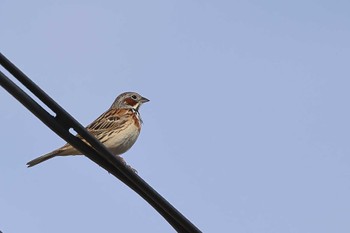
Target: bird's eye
134, 97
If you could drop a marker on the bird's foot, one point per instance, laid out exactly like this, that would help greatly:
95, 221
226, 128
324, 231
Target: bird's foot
131, 168
122, 160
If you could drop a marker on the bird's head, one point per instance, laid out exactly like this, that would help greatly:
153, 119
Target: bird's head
129, 100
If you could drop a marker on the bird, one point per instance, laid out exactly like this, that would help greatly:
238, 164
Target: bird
117, 128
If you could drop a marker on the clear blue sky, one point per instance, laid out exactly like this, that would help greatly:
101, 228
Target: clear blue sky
247, 129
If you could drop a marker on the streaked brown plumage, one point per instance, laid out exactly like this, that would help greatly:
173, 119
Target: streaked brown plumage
118, 128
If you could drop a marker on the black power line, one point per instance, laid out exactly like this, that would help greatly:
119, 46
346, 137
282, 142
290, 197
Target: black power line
63, 121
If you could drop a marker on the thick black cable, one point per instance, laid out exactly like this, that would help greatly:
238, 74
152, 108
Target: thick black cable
39, 112
88, 151
99, 154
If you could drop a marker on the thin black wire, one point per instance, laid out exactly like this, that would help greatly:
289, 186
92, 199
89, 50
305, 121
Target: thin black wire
97, 153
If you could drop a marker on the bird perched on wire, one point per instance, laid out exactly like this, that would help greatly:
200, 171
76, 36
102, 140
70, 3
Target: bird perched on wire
117, 128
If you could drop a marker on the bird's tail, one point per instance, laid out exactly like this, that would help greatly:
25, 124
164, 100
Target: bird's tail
43, 158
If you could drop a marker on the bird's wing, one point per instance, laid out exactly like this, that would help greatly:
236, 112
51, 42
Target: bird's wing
103, 126
111, 120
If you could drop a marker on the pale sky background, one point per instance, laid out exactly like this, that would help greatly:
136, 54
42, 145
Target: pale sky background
247, 129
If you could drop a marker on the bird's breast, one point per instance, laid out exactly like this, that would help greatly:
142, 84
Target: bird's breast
124, 139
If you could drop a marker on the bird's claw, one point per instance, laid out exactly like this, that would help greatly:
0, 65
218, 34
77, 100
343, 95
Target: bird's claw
131, 168
122, 160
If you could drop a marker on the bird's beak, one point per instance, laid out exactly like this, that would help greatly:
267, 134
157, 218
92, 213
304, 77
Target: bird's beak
144, 100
